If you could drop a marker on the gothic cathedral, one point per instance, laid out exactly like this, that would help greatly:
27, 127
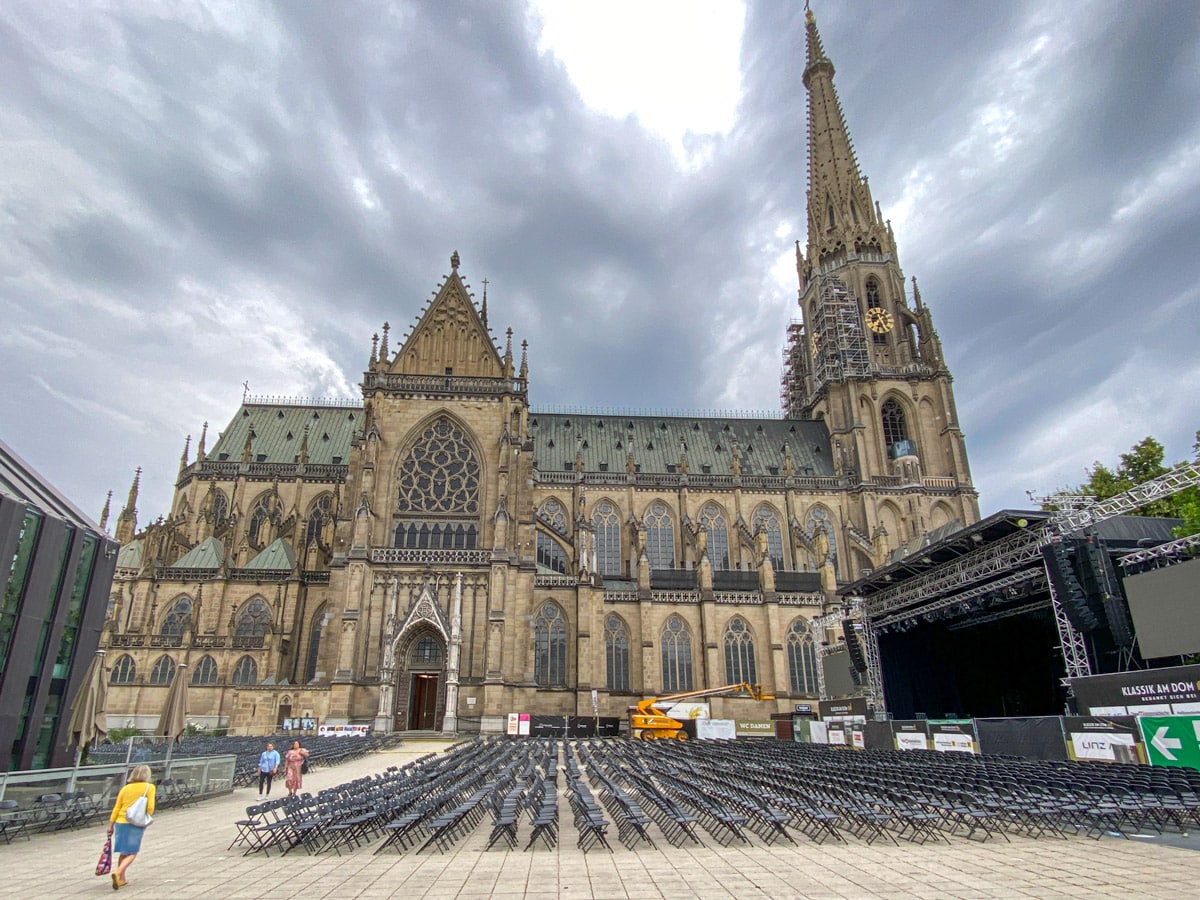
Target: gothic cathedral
440, 554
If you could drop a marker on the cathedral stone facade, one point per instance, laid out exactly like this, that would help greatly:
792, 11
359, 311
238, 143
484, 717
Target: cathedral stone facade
438, 554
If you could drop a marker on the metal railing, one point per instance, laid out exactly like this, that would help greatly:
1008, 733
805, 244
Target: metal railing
207, 776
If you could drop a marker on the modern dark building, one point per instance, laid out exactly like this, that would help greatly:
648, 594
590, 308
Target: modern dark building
56, 577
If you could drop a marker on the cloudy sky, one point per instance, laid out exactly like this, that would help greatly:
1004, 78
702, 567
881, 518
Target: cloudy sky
200, 195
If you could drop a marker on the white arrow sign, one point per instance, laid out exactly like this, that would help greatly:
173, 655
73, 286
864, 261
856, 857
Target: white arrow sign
1164, 744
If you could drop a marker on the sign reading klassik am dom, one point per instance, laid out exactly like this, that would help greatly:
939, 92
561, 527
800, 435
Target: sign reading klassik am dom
1173, 691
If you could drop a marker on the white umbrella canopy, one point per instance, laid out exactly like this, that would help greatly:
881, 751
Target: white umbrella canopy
88, 718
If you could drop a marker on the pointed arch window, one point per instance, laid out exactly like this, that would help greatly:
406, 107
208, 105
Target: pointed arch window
802, 659
254, 621
739, 653
205, 671
314, 644
765, 518
713, 521
895, 430
550, 646
178, 618
873, 292
124, 671
246, 671
553, 513
320, 514
219, 511
822, 535
438, 502
606, 531
660, 537
873, 302
264, 515
550, 554
676, 656
163, 671
427, 652
616, 653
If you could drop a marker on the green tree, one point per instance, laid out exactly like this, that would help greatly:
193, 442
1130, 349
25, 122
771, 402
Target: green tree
1144, 462
1187, 503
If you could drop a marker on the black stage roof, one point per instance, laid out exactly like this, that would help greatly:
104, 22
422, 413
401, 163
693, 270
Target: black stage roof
947, 548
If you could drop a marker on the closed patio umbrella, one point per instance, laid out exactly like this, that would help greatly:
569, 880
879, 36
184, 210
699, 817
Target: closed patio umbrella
173, 721
88, 719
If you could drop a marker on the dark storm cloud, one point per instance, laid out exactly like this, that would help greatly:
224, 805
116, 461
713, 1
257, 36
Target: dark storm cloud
248, 192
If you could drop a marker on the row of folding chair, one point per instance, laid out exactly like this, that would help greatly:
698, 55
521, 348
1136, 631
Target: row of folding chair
590, 822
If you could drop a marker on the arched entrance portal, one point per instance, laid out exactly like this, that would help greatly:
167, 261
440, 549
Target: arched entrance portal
421, 682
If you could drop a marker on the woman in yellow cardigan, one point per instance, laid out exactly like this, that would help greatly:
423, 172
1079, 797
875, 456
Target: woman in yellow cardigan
128, 838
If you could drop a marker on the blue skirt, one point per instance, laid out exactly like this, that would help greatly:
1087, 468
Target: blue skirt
127, 838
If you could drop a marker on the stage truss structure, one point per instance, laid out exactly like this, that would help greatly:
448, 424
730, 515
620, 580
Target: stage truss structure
1012, 562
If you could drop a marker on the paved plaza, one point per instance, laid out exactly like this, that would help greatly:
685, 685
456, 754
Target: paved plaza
185, 856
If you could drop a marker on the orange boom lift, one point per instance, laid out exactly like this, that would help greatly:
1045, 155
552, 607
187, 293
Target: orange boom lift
654, 723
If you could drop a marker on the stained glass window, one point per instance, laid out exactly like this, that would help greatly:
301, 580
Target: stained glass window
802, 659
123, 671
254, 619
178, 619
676, 656
739, 653
616, 652
163, 671
765, 517
607, 533
718, 536
205, 671
660, 537
246, 671
549, 646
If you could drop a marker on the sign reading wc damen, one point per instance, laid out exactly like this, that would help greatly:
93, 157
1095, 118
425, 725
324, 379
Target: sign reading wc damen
1149, 692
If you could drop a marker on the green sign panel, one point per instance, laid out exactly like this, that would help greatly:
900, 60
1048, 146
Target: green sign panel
1172, 740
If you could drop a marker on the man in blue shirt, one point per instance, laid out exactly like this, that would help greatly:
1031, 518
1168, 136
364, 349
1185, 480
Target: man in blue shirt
268, 765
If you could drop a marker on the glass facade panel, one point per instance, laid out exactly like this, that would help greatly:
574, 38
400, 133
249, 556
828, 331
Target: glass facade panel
18, 574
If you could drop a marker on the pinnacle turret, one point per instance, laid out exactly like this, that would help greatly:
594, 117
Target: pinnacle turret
127, 520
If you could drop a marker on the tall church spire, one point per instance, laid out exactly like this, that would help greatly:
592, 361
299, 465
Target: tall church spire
841, 213
858, 327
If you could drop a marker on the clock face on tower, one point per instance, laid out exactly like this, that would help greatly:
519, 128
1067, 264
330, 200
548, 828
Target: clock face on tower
879, 320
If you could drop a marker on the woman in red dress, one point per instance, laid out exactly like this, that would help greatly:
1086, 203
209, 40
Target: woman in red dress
294, 762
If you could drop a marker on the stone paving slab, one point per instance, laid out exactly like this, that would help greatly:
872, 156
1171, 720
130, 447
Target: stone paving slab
184, 856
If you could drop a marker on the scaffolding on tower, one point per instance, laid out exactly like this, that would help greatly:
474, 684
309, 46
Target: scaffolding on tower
796, 371
840, 350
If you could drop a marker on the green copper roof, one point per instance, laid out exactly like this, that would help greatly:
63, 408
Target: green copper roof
277, 556
208, 554
657, 442
130, 556
279, 431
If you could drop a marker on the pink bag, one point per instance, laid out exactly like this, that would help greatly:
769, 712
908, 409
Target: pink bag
104, 866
